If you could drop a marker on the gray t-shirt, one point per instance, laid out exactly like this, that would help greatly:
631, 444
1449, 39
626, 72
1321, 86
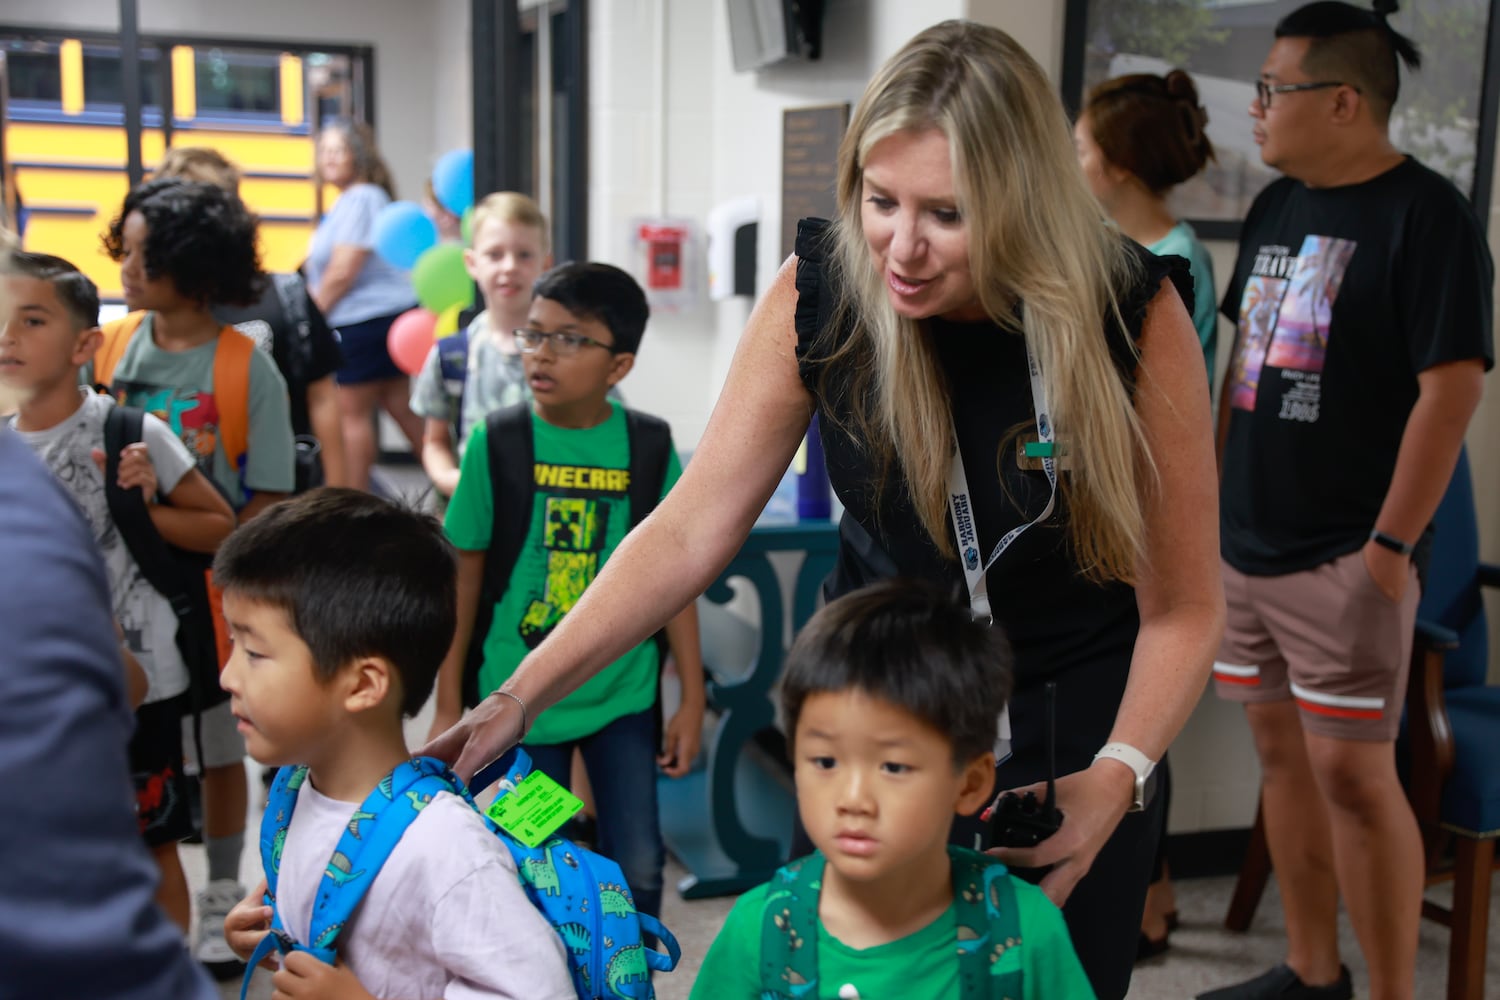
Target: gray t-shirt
495, 379
145, 616
178, 388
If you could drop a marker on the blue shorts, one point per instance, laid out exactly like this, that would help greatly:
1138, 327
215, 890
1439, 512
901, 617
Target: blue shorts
366, 358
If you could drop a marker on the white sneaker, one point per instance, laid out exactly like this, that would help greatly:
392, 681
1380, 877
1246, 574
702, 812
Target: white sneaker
209, 946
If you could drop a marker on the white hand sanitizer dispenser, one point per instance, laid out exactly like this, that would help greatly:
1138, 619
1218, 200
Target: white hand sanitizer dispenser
732, 230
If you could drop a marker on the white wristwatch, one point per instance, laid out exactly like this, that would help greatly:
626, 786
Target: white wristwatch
1138, 762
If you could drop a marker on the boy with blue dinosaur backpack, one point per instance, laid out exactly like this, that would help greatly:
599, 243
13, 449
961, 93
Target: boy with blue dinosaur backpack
340, 605
891, 696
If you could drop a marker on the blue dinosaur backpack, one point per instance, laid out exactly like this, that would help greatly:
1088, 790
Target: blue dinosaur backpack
583, 895
988, 930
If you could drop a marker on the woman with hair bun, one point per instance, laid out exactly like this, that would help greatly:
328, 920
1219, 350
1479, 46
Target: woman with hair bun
1138, 137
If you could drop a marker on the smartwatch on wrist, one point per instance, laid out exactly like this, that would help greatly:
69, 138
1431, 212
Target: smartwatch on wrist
1143, 766
1391, 542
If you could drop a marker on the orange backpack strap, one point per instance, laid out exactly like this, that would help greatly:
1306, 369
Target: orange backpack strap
117, 334
232, 393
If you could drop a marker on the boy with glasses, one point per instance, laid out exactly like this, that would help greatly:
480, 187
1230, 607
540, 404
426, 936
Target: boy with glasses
1362, 293
546, 492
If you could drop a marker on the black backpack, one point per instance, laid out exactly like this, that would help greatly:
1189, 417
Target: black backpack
511, 455
177, 574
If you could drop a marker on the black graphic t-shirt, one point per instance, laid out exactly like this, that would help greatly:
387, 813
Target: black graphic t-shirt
1341, 297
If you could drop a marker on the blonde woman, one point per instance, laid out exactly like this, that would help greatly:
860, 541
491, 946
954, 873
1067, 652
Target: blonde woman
967, 237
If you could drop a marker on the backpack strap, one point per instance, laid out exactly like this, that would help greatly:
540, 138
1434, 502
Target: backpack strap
453, 371
123, 426
453, 360
117, 334
650, 450
291, 291
511, 457
988, 926
232, 359
231, 379
373, 832
163, 568
789, 930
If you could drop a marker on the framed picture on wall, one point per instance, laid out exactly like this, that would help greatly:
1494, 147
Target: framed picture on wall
1445, 115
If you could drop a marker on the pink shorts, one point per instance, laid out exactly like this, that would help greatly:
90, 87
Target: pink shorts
1327, 638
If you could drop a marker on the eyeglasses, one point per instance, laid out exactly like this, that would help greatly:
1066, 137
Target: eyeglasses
563, 344
1265, 91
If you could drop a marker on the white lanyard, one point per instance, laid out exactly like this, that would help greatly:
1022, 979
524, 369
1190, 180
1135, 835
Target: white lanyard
961, 510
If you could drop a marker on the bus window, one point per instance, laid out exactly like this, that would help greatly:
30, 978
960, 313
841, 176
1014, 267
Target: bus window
241, 83
32, 72
103, 88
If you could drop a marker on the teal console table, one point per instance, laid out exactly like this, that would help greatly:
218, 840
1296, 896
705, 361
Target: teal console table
729, 821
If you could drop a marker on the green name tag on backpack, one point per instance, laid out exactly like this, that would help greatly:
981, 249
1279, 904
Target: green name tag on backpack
535, 810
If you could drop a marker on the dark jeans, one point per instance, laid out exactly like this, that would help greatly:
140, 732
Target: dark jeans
621, 764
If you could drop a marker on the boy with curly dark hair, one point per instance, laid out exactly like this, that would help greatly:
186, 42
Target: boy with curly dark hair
183, 248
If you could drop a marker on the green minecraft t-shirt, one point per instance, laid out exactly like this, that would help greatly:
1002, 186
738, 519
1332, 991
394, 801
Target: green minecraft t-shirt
579, 514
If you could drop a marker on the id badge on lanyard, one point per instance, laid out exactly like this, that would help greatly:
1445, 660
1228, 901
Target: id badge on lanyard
961, 510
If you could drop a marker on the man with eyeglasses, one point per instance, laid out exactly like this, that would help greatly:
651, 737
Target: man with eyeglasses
1362, 295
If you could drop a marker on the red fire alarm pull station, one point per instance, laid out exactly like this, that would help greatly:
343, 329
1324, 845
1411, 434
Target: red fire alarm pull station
664, 253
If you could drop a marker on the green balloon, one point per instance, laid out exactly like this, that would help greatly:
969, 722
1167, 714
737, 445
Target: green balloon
466, 225
439, 278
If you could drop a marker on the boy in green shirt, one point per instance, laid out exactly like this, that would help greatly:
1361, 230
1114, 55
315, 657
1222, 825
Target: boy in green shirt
568, 467
891, 695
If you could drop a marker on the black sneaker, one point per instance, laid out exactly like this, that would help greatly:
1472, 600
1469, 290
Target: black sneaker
1281, 983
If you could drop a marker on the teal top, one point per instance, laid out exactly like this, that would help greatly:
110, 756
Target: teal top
1182, 241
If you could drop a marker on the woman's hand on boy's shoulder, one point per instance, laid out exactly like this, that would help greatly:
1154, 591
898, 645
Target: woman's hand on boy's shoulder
304, 977
247, 923
680, 741
491, 728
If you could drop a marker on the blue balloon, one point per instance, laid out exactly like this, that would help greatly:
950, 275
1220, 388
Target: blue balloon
402, 233
453, 180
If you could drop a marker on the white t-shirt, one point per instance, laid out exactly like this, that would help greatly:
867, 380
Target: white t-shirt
445, 917
149, 624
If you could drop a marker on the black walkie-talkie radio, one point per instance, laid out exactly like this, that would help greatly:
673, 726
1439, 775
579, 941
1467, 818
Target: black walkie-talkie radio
1023, 820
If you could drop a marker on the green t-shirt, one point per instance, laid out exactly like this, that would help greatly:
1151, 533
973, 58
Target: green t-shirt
921, 965
579, 514
178, 388
1183, 241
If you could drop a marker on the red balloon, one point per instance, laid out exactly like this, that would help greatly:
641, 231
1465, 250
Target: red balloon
410, 339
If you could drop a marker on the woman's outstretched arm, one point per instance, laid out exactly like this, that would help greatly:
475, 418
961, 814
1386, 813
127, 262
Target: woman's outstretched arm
672, 556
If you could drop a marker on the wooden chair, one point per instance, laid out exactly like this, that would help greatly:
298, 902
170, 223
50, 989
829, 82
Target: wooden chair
1449, 750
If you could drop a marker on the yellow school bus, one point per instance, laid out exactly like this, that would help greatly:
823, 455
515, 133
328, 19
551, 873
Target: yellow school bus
257, 103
